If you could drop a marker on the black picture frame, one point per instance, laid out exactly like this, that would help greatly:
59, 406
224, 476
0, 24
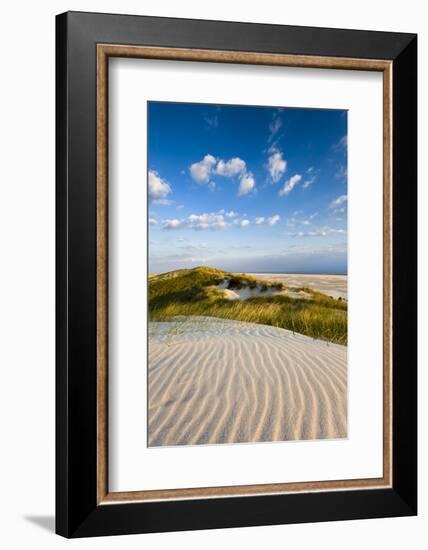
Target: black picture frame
77, 511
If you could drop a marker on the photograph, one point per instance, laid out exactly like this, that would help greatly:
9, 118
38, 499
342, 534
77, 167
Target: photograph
247, 273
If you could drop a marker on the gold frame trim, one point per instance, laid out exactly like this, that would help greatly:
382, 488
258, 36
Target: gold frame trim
104, 51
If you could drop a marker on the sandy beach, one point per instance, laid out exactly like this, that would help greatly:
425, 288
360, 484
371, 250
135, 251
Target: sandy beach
217, 381
335, 286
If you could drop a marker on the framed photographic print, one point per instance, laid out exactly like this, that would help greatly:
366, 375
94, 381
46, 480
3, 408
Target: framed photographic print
236, 274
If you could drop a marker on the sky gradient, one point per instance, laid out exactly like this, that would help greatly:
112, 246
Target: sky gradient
247, 189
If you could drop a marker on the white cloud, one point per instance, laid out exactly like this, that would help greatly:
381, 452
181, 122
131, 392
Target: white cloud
158, 187
212, 220
293, 221
247, 184
342, 144
337, 202
231, 168
200, 222
201, 171
290, 184
231, 214
308, 182
212, 122
261, 220
242, 223
221, 224
163, 202
276, 164
152, 221
342, 172
209, 166
320, 232
273, 220
274, 127
237, 167
173, 224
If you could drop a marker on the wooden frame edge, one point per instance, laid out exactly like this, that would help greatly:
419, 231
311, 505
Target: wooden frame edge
104, 51
387, 275
102, 275
241, 57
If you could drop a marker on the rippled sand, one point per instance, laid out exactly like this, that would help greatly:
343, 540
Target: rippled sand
218, 381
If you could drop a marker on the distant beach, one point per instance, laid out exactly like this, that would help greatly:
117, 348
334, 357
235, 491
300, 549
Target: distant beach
335, 286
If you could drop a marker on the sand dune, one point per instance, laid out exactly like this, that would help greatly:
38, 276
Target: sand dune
218, 381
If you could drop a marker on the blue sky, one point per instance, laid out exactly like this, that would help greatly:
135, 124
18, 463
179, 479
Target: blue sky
242, 188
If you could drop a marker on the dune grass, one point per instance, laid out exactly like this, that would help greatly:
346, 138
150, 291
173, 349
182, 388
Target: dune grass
194, 292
